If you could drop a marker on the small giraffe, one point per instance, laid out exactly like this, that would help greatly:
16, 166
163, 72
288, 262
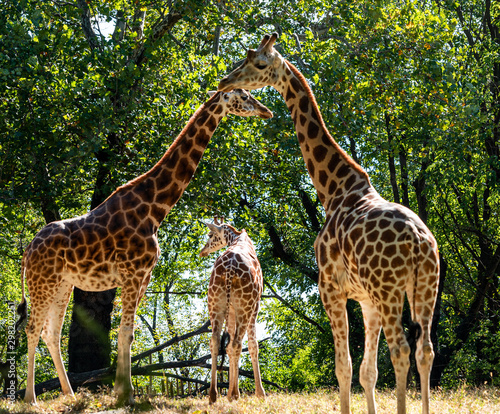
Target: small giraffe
116, 244
233, 296
369, 249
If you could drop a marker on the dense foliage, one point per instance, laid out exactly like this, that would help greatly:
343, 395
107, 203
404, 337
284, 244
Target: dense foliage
93, 93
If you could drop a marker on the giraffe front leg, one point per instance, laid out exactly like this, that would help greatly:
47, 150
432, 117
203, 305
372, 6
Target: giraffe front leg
124, 389
368, 372
335, 306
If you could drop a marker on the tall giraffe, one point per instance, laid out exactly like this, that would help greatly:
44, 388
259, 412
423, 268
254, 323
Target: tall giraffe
233, 296
369, 249
116, 243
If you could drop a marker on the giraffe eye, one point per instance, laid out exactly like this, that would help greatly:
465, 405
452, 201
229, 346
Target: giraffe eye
260, 66
244, 97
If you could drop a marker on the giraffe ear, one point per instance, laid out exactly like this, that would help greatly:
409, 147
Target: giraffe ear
211, 93
218, 220
211, 226
263, 42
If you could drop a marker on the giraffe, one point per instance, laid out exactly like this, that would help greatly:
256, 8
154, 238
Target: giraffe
233, 296
116, 244
369, 249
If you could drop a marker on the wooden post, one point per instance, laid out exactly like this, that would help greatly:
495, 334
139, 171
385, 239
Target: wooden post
150, 378
172, 394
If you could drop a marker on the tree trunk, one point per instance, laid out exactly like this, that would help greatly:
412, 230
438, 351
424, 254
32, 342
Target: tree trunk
89, 347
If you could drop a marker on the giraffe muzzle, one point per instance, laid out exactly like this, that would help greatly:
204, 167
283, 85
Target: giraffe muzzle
224, 85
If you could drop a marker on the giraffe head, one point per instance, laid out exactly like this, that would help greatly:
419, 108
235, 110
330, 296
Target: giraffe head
240, 102
219, 237
260, 68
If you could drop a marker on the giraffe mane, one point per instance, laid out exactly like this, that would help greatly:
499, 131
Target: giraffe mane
234, 230
314, 104
170, 149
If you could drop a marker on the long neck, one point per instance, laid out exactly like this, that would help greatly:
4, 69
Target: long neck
333, 172
236, 237
161, 187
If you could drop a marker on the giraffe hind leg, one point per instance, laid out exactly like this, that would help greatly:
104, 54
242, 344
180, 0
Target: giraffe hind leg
39, 310
398, 346
51, 332
215, 343
368, 371
253, 348
423, 308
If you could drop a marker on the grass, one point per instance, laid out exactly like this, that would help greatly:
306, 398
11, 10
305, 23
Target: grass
460, 401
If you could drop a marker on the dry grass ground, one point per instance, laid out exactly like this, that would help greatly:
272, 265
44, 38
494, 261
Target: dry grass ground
460, 401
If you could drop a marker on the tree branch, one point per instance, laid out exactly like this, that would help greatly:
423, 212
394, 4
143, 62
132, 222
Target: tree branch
289, 306
174, 340
161, 27
87, 25
311, 210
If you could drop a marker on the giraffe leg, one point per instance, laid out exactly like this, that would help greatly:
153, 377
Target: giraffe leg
51, 332
422, 309
398, 345
39, 309
124, 389
217, 323
368, 372
253, 348
217, 309
335, 306
237, 327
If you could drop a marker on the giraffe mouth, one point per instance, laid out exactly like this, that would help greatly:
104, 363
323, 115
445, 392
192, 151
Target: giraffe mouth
266, 114
225, 85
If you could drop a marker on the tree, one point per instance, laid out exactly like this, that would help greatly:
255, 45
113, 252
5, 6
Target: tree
408, 88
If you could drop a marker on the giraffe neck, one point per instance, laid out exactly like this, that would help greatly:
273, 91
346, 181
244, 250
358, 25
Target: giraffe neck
333, 172
159, 189
233, 236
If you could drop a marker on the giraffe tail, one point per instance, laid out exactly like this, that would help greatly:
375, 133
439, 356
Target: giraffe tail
22, 309
225, 338
224, 341
414, 329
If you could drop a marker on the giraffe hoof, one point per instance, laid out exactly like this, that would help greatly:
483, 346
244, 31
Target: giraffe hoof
212, 396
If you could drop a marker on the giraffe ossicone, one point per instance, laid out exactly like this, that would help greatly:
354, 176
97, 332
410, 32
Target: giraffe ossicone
369, 249
234, 295
116, 244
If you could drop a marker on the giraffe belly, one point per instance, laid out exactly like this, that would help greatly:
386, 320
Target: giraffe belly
93, 281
